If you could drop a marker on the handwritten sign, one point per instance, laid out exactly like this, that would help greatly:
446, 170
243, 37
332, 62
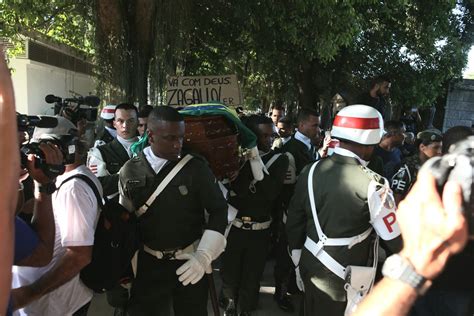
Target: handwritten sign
182, 91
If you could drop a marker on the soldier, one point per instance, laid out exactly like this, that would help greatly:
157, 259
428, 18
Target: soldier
302, 149
107, 133
171, 201
105, 161
428, 143
337, 202
248, 241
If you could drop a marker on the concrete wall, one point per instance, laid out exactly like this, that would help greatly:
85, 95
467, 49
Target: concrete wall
460, 105
32, 81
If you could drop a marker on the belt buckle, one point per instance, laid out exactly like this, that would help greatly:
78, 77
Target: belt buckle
168, 254
246, 219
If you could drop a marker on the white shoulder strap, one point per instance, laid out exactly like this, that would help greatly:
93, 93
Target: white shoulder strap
272, 160
317, 248
267, 166
142, 210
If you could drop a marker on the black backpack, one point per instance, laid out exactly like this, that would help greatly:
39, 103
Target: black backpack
115, 243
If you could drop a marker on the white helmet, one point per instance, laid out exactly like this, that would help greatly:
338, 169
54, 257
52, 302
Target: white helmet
360, 124
108, 112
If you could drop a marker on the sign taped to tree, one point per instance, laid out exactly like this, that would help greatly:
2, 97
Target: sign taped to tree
187, 90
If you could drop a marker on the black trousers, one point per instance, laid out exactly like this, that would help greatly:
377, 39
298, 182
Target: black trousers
156, 289
284, 271
243, 263
316, 302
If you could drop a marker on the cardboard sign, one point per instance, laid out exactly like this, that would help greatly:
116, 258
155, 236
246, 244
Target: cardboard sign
182, 91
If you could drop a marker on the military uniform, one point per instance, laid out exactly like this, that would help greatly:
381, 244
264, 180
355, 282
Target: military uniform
103, 137
405, 177
174, 221
341, 197
249, 238
301, 155
105, 162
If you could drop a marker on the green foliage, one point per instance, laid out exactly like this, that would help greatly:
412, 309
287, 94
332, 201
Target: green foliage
297, 51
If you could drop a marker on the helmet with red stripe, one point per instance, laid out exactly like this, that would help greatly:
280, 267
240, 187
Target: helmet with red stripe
360, 124
108, 112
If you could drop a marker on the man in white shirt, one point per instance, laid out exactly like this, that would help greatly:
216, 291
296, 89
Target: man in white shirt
56, 289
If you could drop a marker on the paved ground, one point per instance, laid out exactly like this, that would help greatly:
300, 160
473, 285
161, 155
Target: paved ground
267, 306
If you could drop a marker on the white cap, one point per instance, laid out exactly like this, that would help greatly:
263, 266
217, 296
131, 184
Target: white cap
64, 127
360, 124
108, 112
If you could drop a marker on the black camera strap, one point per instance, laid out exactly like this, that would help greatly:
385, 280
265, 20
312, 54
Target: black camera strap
91, 184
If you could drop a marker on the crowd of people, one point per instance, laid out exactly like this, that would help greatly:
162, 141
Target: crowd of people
325, 210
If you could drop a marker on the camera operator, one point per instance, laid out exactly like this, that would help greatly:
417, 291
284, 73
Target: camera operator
56, 289
432, 230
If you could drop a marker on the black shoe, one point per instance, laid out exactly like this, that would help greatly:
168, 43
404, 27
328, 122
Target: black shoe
284, 302
245, 314
230, 309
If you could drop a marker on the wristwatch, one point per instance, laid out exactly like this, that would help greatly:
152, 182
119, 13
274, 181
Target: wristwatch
399, 268
47, 188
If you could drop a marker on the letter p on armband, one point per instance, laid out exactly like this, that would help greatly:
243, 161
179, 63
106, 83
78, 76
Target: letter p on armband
386, 226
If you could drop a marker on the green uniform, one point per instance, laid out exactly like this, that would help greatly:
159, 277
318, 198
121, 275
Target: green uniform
173, 221
105, 162
403, 180
246, 252
284, 269
341, 196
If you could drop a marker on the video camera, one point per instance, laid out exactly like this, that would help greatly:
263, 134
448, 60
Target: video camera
458, 165
75, 109
26, 123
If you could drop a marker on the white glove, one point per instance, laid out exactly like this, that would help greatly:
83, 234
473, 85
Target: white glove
295, 257
256, 164
299, 280
212, 244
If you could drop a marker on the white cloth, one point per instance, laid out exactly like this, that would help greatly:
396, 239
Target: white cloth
127, 143
112, 131
304, 139
75, 214
348, 153
155, 162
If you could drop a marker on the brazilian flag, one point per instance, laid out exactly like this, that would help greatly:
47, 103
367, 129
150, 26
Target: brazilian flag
247, 138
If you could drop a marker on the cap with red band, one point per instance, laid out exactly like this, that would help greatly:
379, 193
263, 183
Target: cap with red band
360, 124
108, 112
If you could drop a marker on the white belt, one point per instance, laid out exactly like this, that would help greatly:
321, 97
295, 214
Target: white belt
247, 225
170, 254
329, 262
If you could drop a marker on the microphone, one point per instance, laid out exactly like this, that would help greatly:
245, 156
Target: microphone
42, 121
50, 98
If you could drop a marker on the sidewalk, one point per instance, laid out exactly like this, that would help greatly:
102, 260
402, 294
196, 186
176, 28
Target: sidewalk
267, 306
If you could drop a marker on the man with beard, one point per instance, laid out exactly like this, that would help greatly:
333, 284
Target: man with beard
379, 90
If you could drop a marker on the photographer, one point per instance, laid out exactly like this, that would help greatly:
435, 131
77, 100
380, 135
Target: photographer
56, 289
432, 230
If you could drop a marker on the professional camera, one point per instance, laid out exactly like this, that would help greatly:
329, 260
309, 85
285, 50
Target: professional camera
75, 109
458, 165
49, 126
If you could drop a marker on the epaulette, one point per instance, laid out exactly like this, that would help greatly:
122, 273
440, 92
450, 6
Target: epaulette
372, 174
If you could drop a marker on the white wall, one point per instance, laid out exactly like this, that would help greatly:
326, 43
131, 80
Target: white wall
32, 81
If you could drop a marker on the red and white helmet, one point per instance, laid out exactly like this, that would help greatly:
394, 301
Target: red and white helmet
108, 112
358, 123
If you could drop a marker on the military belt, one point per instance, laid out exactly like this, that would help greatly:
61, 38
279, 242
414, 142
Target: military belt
250, 225
170, 254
